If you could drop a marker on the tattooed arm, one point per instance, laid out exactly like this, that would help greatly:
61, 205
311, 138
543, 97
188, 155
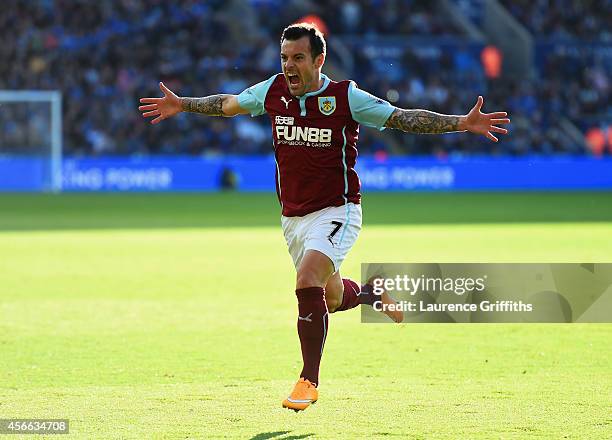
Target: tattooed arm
215, 105
426, 122
170, 105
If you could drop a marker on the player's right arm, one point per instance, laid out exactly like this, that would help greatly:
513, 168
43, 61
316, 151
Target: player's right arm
171, 104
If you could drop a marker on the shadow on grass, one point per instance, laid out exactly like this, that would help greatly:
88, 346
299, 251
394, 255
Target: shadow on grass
222, 210
271, 435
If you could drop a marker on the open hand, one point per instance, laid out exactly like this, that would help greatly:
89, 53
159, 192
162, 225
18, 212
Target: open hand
162, 108
485, 123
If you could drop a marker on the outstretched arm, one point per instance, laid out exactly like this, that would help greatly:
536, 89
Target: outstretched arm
427, 122
170, 104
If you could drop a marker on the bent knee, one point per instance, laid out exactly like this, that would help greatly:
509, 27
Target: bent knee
333, 294
308, 278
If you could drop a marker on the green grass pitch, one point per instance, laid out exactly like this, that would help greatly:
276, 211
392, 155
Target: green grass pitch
173, 316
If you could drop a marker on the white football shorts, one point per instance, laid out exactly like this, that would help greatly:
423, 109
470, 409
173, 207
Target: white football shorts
332, 231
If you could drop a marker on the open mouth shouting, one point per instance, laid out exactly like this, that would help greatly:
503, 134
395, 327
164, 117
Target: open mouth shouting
294, 81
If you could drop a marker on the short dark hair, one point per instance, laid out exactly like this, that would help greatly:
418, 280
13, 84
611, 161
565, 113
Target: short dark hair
298, 30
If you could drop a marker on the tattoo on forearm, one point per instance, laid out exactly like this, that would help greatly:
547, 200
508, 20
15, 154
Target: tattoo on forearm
422, 121
209, 105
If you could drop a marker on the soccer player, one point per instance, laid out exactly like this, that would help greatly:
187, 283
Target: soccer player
315, 127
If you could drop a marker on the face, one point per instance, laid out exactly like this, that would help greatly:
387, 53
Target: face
301, 71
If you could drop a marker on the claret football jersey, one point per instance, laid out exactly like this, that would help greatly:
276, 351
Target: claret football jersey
315, 139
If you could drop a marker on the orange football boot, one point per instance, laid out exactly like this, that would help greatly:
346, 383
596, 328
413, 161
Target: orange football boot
303, 395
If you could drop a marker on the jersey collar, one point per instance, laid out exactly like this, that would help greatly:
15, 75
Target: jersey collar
302, 99
326, 81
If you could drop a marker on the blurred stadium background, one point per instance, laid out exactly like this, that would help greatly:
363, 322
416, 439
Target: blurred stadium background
547, 63
128, 313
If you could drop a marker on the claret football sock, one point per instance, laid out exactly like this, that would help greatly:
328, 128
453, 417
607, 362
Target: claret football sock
312, 329
355, 295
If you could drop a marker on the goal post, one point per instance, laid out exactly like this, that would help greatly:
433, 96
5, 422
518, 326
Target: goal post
31, 132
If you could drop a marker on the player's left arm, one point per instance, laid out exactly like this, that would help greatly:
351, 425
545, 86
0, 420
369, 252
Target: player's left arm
428, 122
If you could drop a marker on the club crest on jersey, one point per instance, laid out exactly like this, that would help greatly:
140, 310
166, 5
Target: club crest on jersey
327, 104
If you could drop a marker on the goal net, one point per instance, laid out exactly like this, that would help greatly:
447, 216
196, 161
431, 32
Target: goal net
30, 140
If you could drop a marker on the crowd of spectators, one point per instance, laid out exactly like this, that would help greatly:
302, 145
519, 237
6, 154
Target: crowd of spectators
569, 86
360, 17
104, 55
573, 41
584, 19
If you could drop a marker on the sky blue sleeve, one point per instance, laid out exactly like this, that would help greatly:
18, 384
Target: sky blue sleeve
253, 98
367, 109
